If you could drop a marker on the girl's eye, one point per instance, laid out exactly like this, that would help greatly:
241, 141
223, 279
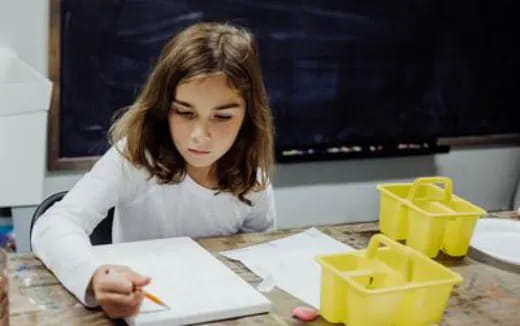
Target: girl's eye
223, 117
185, 114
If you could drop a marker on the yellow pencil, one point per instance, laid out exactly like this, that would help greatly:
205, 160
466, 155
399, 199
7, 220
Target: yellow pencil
155, 299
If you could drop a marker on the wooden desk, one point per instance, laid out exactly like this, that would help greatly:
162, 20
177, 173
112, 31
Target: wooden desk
488, 296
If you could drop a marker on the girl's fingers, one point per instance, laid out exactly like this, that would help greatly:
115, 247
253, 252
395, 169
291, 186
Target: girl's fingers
116, 283
118, 290
137, 279
122, 279
139, 297
124, 301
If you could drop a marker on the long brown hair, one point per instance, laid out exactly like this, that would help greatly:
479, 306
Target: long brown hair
199, 50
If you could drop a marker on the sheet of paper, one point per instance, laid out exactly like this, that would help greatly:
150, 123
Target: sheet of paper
290, 262
196, 285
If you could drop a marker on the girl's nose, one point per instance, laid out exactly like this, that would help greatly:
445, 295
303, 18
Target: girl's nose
200, 133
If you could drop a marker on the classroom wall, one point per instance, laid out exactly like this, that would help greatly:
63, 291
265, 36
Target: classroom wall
24, 27
345, 191
309, 193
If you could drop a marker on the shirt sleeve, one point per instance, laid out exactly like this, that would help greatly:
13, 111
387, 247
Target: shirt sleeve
60, 237
262, 216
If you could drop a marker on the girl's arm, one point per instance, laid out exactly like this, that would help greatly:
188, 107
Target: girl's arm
60, 237
262, 216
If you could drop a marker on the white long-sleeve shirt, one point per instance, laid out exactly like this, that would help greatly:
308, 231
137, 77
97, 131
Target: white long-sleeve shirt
144, 209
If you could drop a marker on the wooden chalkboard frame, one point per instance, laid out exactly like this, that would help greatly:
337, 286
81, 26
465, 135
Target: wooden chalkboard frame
55, 162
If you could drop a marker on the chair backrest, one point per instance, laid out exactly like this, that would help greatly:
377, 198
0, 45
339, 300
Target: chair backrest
102, 234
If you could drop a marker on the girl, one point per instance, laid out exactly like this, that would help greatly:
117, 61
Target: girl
191, 157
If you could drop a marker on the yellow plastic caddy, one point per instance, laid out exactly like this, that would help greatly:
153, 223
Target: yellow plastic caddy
430, 218
392, 285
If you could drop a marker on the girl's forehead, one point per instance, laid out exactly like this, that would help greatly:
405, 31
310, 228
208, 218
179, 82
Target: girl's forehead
203, 76
210, 80
216, 75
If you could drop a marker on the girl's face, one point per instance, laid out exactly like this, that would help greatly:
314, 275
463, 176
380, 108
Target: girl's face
204, 120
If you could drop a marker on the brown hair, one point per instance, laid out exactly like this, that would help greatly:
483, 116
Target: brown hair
202, 49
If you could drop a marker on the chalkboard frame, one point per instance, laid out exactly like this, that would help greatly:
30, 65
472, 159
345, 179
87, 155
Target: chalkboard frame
56, 163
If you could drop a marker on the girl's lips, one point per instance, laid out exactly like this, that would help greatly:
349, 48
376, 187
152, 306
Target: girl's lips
197, 151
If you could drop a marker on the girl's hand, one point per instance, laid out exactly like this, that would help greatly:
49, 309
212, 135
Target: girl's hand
118, 290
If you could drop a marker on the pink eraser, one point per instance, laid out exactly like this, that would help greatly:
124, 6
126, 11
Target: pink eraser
304, 313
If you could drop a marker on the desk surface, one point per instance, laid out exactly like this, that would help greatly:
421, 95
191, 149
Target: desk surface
488, 296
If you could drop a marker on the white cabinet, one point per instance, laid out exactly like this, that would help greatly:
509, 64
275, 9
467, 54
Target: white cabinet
24, 103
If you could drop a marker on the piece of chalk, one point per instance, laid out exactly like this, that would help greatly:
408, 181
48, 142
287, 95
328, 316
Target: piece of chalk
304, 313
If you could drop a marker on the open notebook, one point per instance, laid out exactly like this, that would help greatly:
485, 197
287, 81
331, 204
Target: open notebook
196, 285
